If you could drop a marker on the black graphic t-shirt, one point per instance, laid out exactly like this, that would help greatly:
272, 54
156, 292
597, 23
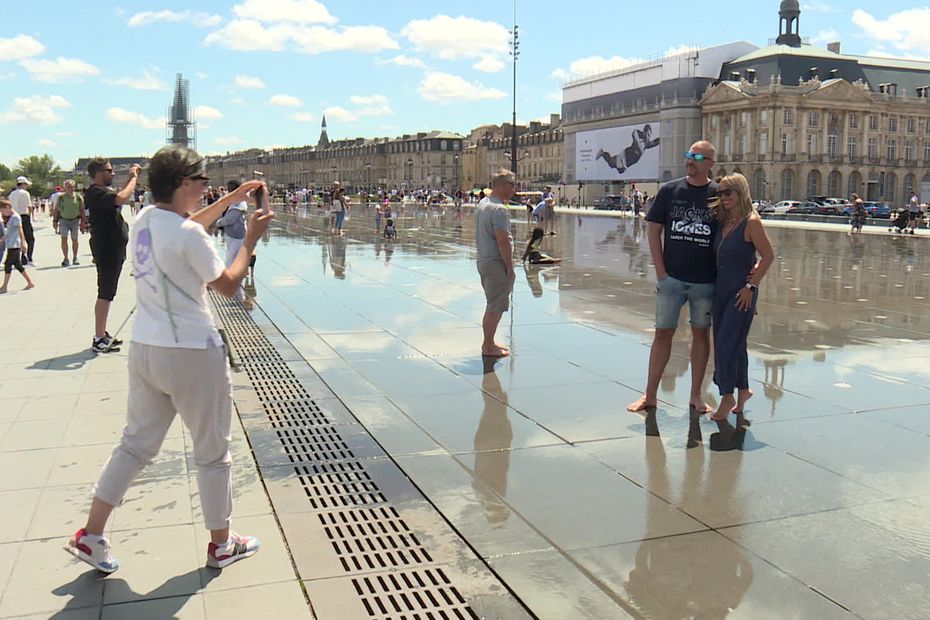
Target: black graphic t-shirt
689, 229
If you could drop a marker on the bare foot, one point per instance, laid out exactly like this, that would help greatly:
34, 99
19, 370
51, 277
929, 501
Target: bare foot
29, 286
724, 410
741, 397
2, 290
642, 404
699, 405
496, 351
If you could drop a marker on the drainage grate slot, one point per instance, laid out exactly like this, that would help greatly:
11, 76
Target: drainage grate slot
365, 532
429, 593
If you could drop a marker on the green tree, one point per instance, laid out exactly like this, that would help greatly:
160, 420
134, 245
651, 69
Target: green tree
42, 171
5, 173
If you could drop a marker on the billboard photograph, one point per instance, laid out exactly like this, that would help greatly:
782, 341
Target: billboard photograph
628, 153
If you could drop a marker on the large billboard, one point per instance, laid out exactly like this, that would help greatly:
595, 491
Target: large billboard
628, 153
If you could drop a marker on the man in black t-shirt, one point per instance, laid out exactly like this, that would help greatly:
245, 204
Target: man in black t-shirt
681, 240
109, 236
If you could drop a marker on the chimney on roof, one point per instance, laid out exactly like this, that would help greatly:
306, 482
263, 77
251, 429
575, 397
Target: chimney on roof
834, 47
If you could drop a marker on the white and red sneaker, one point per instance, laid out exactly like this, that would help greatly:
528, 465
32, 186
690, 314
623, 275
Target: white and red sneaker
235, 549
95, 550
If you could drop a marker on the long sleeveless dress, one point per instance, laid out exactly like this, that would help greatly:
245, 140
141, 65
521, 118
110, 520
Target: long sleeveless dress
735, 259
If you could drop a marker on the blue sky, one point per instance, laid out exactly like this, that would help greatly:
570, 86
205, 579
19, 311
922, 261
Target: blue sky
83, 79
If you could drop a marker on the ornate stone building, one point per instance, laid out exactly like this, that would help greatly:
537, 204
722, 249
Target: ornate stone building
799, 121
426, 159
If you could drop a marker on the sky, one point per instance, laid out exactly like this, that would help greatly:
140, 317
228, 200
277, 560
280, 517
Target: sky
85, 79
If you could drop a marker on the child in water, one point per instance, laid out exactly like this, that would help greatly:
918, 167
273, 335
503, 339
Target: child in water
532, 251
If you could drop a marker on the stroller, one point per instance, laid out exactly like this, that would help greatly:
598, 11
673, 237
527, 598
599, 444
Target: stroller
899, 225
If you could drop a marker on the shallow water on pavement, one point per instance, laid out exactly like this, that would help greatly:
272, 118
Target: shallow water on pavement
586, 510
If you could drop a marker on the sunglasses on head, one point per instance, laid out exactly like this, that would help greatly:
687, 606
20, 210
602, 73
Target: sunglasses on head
199, 177
694, 156
726, 192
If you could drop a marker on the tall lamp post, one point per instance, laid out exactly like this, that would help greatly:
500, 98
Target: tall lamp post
409, 173
368, 177
455, 173
515, 53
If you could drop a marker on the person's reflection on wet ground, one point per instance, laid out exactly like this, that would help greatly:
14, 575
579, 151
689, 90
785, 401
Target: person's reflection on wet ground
379, 245
388, 251
492, 445
337, 257
665, 584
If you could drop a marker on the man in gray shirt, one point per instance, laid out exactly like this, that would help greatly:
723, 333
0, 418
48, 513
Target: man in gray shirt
495, 257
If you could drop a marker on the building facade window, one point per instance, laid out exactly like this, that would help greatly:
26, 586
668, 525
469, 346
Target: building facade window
831, 145
813, 183
812, 140
714, 121
853, 120
743, 119
813, 119
893, 124
873, 147
763, 143
833, 183
763, 116
927, 153
786, 144
852, 146
788, 117
909, 150
892, 150
873, 122
787, 178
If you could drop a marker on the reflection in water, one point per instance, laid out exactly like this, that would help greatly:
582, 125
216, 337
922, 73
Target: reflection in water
492, 446
664, 583
337, 257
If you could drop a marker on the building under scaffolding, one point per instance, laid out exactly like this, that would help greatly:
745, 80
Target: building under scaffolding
180, 127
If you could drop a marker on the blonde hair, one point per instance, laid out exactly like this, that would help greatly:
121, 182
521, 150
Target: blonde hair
740, 185
502, 176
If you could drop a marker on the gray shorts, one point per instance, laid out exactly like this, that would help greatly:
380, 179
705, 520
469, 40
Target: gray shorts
497, 284
673, 294
69, 227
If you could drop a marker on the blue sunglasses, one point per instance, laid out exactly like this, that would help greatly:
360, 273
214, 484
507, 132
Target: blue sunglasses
694, 156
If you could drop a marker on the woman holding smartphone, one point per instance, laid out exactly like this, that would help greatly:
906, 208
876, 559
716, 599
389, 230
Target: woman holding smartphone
177, 361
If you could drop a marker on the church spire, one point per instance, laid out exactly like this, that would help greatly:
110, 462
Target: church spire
323, 142
789, 16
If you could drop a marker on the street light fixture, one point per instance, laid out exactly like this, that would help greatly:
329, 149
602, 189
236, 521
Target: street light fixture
368, 177
409, 178
515, 54
455, 172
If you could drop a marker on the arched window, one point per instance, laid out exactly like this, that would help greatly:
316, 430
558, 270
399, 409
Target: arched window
760, 185
813, 183
787, 184
891, 181
833, 183
855, 184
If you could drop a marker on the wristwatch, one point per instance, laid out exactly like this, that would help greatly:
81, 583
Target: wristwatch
751, 286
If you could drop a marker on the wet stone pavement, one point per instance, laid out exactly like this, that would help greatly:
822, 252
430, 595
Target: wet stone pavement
819, 509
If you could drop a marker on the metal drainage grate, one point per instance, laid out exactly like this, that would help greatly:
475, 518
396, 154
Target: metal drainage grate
373, 539
366, 533
338, 485
425, 593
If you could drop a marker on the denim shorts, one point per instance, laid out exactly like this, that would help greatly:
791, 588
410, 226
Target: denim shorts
671, 295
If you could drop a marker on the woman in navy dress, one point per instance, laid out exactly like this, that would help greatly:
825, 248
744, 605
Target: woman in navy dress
740, 239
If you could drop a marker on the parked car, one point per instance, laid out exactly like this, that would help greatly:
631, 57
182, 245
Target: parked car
610, 202
848, 211
763, 206
833, 206
805, 208
878, 209
784, 205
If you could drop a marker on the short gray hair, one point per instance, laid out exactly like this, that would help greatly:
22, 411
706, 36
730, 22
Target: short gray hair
503, 176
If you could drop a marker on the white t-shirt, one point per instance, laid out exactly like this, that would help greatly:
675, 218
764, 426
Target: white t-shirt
21, 201
173, 260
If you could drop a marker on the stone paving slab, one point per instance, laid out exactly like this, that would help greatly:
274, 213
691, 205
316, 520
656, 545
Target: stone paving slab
61, 411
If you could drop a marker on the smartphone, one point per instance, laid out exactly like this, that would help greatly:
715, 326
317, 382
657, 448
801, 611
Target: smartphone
261, 201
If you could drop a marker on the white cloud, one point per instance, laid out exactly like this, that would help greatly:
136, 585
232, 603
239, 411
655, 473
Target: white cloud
201, 75
593, 65
555, 95
818, 7
59, 70
237, 101
454, 38
228, 140
340, 114
35, 109
489, 64
201, 20
248, 81
251, 35
402, 60
372, 105
304, 117
908, 31
288, 101
19, 47
119, 115
146, 82
447, 88
825, 36
48, 144
299, 11
205, 112
7, 76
